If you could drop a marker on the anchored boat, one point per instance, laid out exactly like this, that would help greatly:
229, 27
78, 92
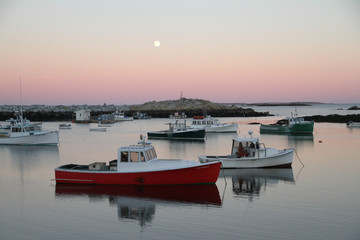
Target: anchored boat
250, 153
178, 131
139, 165
353, 124
21, 131
211, 124
289, 125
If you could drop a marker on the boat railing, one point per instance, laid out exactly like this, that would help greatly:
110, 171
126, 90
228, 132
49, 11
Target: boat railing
261, 144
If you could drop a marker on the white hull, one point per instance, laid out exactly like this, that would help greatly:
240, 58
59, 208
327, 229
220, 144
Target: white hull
217, 128
41, 138
353, 124
273, 158
100, 129
65, 127
123, 119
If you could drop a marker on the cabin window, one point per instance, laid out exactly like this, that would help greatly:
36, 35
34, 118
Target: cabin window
153, 153
235, 148
124, 156
142, 157
148, 155
134, 157
16, 129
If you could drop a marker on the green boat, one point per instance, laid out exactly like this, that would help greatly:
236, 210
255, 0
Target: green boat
289, 125
178, 131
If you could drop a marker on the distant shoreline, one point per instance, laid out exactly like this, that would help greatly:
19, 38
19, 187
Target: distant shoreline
275, 104
163, 109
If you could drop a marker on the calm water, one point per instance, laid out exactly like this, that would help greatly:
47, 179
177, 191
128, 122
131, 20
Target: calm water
318, 201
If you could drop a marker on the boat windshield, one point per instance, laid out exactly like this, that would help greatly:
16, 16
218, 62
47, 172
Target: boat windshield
134, 156
136, 153
151, 154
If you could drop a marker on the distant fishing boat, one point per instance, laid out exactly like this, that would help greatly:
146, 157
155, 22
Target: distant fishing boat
353, 124
65, 126
119, 116
178, 130
21, 131
139, 115
211, 124
289, 125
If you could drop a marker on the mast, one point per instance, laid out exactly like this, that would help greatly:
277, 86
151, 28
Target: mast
21, 109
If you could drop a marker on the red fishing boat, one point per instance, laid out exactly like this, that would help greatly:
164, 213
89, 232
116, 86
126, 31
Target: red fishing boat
139, 165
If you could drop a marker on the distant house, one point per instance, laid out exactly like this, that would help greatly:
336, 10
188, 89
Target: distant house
82, 115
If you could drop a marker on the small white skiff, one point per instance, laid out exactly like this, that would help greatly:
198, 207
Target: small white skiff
353, 124
250, 153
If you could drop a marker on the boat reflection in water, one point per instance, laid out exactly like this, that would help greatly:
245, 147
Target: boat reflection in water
139, 202
26, 158
250, 183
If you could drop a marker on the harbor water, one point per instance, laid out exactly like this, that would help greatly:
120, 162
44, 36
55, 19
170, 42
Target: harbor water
318, 198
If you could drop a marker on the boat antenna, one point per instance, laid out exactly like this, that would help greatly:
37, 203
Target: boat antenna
21, 103
140, 122
250, 133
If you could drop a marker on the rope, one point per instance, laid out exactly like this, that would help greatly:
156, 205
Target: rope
299, 158
223, 196
223, 173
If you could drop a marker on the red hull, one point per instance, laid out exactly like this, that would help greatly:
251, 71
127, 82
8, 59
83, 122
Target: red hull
202, 174
201, 194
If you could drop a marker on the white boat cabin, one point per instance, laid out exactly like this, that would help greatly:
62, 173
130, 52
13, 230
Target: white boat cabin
136, 153
177, 126
245, 147
205, 121
16, 128
288, 121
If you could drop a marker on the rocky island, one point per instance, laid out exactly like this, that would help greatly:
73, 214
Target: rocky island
156, 109
194, 107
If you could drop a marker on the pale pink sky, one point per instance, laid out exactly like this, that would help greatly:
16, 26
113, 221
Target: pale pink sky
95, 52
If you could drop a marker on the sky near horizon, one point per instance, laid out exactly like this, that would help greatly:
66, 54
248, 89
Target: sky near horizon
95, 52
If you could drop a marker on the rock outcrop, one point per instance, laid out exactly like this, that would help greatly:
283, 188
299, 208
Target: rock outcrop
334, 118
161, 109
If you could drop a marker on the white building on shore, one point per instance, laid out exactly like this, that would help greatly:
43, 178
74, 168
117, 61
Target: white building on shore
82, 115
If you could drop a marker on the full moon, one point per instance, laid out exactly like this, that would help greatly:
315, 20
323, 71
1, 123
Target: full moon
157, 44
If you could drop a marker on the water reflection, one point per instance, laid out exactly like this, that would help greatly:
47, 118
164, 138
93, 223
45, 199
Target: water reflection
29, 157
23, 159
301, 141
353, 129
138, 203
251, 183
220, 136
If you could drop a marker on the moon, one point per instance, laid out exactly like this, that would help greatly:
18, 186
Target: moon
157, 44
